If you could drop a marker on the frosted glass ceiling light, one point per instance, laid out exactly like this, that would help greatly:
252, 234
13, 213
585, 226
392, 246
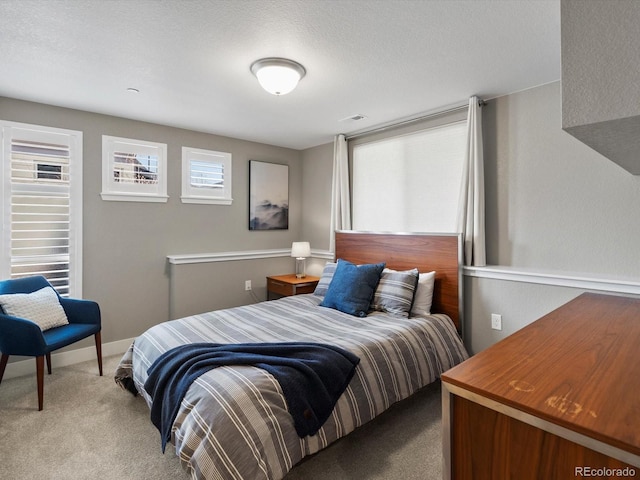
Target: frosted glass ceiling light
278, 76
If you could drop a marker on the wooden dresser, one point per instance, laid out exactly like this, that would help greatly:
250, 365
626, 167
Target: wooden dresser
559, 399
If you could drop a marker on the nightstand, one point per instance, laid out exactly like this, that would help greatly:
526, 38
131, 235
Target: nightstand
287, 285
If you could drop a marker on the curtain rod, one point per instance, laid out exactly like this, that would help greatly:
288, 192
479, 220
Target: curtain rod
382, 128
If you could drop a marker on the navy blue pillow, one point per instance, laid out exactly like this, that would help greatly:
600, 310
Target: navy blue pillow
352, 287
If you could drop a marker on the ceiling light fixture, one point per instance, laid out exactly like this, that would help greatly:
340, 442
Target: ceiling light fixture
277, 76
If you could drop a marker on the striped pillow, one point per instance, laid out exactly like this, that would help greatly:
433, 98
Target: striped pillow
395, 292
325, 279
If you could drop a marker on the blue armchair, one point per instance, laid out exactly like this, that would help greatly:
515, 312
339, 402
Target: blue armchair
24, 337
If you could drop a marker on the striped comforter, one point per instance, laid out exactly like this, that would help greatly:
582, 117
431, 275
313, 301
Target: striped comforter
233, 422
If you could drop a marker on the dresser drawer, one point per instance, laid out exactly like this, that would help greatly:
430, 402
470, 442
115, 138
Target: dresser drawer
279, 287
287, 285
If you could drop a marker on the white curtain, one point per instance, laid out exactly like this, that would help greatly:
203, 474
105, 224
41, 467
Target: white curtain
471, 206
340, 194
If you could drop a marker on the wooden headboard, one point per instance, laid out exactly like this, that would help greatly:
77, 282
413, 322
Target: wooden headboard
441, 253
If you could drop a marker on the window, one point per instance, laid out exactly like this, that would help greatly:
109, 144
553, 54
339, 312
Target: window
41, 205
133, 170
51, 172
409, 183
206, 176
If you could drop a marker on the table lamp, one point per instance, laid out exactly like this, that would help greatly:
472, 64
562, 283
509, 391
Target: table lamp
300, 251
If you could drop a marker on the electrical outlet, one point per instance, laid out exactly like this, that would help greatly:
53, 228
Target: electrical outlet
247, 285
496, 321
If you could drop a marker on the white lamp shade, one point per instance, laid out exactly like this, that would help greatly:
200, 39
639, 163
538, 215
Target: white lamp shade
278, 76
300, 249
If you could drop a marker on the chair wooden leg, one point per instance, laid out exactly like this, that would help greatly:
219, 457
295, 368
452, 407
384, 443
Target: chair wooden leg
3, 364
48, 356
40, 375
99, 351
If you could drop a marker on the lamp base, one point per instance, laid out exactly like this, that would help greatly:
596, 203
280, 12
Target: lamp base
300, 267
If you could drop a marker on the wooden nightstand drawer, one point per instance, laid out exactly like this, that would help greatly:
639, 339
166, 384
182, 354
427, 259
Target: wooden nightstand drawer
287, 285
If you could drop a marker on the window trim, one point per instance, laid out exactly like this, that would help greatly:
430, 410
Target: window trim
144, 193
188, 192
75, 145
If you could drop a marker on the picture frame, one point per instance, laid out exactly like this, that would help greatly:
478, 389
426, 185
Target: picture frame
268, 196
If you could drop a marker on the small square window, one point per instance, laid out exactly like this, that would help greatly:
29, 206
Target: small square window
206, 176
133, 170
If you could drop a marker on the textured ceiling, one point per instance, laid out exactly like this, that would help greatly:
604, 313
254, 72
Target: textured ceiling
385, 59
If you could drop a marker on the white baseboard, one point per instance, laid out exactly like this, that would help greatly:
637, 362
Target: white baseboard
71, 357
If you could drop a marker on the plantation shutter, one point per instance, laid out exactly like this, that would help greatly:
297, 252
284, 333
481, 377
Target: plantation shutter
133, 170
137, 169
39, 211
206, 176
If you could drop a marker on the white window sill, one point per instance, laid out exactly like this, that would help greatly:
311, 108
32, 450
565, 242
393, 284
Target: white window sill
129, 197
207, 200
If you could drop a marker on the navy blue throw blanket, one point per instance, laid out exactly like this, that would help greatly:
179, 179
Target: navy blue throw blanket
312, 377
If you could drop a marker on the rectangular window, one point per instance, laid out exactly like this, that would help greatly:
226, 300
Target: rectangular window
133, 170
49, 172
41, 201
206, 176
409, 183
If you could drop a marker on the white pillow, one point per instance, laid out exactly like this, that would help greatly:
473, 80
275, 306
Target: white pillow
424, 295
41, 307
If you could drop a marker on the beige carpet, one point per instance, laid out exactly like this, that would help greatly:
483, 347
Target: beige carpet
91, 429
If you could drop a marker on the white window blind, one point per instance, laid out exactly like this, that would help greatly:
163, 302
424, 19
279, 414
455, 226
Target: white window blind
206, 176
409, 183
133, 170
137, 169
42, 205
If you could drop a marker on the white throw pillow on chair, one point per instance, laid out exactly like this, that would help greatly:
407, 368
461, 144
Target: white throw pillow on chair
41, 307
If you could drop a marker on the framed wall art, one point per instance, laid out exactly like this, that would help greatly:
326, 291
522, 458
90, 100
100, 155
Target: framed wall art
268, 196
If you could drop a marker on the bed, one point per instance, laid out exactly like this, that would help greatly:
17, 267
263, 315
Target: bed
233, 422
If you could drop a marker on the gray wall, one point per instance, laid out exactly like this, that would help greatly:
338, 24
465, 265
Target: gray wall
553, 206
126, 243
552, 202
317, 176
600, 56
600, 94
